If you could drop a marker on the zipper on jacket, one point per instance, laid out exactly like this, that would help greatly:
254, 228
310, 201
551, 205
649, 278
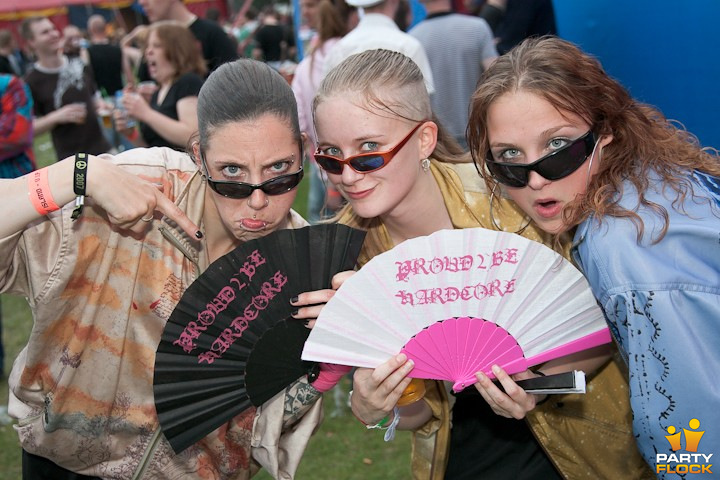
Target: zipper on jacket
45, 414
179, 241
46, 408
149, 451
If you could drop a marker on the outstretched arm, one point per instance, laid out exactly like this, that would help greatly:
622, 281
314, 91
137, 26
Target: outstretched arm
126, 198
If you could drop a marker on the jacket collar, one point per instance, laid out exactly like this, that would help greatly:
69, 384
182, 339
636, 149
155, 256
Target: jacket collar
578, 239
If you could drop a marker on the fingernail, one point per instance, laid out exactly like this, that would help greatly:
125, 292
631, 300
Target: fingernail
293, 299
495, 370
294, 313
198, 234
480, 376
307, 323
401, 357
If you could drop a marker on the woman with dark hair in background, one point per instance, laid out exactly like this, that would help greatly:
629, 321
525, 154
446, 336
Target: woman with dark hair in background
176, 64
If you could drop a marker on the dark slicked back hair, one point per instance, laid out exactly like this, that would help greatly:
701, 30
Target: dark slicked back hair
244, 90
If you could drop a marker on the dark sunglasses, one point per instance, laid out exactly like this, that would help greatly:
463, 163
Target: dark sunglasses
554, 166
363, 162
274, 186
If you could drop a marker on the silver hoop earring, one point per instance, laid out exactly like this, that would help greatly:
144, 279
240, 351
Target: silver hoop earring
492, 217
425, 164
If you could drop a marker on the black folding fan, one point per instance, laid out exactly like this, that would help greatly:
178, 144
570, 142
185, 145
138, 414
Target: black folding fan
231, 343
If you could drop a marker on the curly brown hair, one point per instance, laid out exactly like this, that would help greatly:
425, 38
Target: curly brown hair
573, 81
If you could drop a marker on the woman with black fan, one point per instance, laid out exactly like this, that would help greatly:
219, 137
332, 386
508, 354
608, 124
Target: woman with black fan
579, 155
104, 247
404, 178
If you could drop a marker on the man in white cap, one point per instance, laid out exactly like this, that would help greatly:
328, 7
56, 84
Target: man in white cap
377, 29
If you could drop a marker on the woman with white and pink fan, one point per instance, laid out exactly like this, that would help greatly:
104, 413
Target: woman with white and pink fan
413, 191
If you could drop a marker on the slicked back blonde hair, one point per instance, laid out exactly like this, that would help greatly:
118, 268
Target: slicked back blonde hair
389, 83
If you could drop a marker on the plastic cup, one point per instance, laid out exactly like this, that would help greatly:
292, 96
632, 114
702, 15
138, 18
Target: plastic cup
130, 123
106, 117
146, 89
414, 392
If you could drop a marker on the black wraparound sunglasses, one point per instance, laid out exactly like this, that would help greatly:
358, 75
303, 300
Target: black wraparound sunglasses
274, 186
554, 166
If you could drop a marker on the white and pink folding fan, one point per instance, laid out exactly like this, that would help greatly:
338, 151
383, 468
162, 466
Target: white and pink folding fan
457, 302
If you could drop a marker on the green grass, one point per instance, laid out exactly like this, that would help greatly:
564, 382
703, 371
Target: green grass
342, 449
16, 324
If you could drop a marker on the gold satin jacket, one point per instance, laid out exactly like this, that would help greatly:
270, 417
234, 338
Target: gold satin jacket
585, 436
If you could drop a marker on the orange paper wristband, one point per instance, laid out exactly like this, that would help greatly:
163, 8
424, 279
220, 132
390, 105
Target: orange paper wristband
39, 192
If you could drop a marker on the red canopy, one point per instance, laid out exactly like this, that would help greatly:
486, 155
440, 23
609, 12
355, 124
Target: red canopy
12, 12
16, 6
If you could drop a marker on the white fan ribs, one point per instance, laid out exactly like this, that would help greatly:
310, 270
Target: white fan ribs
457, 302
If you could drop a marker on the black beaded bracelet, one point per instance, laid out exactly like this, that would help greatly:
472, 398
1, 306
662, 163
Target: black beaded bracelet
79, 183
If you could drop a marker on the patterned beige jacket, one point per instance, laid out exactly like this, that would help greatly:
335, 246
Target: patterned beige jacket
81, 390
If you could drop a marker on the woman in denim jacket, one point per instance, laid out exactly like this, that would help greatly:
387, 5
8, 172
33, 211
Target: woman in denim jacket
564, 140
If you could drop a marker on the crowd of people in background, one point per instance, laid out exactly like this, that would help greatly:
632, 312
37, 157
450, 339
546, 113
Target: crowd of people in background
94, 89
359, 67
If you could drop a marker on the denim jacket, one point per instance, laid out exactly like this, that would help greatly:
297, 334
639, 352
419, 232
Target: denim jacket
662, 302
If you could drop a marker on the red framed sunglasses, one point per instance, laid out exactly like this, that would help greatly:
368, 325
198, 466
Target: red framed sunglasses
363, 162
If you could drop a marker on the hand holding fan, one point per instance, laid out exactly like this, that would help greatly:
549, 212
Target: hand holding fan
231, 343
457, 302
